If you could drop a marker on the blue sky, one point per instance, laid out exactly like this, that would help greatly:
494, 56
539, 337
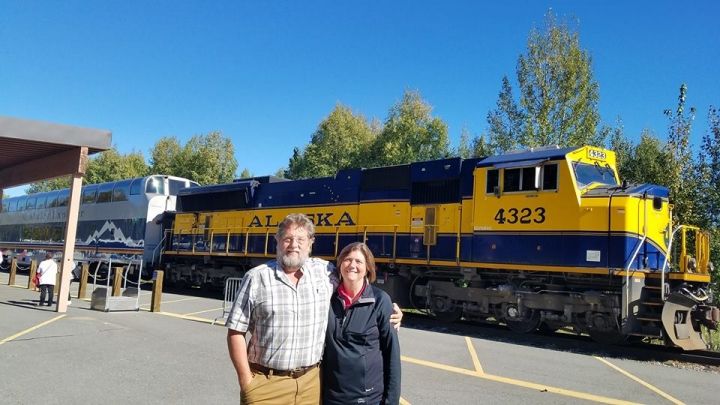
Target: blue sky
265, 73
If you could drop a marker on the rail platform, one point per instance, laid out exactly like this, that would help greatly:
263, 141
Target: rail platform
176, 356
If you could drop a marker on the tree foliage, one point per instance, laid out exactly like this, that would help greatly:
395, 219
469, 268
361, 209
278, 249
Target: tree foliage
207, 159
410, 134
340, 141
105, 166
558, 94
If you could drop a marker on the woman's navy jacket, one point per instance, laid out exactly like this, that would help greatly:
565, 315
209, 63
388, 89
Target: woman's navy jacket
361, 362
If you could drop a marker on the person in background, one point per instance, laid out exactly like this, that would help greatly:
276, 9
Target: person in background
361, 364
284, 305
47, 272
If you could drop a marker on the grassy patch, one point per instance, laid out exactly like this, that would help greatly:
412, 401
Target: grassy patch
712, 337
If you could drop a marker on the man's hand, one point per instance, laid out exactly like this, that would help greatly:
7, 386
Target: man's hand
396, 317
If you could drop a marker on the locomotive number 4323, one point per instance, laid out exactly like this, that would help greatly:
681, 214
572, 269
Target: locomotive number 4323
521, 215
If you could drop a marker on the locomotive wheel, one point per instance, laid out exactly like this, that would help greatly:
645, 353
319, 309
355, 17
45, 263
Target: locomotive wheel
524, 324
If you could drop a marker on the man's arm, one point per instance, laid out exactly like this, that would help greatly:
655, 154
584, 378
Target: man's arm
237, 347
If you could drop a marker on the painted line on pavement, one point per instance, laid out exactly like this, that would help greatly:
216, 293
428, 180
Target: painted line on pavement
474, 356
190, 318
40, 325
200, 312
403, 401
641, 382
519, 383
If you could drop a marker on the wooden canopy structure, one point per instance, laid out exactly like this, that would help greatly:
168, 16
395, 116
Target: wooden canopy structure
33, 150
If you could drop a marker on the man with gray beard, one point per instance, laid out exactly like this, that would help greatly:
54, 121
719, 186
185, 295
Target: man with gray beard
284, 305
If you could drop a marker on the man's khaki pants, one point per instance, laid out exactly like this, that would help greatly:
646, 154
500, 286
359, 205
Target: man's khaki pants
278, 390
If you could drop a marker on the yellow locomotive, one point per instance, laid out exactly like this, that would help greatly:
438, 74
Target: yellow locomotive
541, 238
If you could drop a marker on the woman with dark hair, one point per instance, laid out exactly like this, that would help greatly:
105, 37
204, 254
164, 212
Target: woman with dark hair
361, 362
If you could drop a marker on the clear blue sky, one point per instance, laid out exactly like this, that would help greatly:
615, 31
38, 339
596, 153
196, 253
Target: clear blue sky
265, 73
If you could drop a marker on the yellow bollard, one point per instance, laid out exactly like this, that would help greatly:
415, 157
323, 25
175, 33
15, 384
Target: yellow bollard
13, 271
157, 290
117, 281
83, 281
33, 270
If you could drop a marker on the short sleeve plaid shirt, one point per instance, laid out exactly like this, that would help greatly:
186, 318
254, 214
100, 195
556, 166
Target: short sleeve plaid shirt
287, 323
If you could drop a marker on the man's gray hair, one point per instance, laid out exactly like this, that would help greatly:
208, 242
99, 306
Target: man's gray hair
299, 220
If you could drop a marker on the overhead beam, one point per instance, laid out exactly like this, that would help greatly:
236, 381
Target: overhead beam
70, 162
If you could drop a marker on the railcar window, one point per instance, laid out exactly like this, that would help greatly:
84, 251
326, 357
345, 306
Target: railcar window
52, 200
155, 185
550, 177
21, 203
105, 193
4, 206
121, 190
89, 195
588, 173
528, 179
31, 201
176, 185
63, 197
511, 180
493, 181
41, 200
12, 206
136, 186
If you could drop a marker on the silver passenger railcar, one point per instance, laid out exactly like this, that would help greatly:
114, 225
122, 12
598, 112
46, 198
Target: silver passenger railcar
120, 219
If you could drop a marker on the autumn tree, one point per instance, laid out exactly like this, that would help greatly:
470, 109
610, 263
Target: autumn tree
709, 184
165, 156
341, 141
558, 94
410, 133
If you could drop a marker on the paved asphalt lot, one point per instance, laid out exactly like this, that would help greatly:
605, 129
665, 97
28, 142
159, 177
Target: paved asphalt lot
177, 357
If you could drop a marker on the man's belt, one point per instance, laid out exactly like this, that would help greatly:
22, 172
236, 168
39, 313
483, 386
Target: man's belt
294, 373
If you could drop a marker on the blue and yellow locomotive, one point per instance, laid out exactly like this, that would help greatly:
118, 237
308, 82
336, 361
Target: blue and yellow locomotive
542, 238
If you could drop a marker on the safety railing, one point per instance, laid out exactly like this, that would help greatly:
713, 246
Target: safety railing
204, 240
232, 287
702, 252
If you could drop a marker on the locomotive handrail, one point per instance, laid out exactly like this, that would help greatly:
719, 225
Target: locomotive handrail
669, 253
159, 246
632, 259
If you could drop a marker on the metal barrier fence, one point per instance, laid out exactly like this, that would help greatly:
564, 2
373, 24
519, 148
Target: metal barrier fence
232, 285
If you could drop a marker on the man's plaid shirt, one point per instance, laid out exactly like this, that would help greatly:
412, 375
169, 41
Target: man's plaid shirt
287, 323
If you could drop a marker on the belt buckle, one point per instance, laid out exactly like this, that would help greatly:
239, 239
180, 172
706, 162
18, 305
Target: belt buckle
297, 372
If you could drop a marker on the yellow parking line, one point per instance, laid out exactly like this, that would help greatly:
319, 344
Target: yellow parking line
180, 300
519, 383
40, 325
403, 401
473, 355
647, 385
191, 318
200, 312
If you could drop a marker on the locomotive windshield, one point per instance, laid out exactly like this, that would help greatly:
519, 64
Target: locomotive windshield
594, 173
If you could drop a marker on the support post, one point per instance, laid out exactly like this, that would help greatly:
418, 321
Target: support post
71, 230
13, 271
157, 290
31, 275
83, 281
117, 281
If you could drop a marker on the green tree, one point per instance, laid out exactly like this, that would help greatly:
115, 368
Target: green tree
410, 134
622, 147
245, 173
709, 169
207, 159
558, 94
103, 167
341, 141
681, 177
647, 162
111, 165
165, 156
464, 149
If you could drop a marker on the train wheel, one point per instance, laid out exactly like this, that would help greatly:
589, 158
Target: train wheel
522, 323
443, 309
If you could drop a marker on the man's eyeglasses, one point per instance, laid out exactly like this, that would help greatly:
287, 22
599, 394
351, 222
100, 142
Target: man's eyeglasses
300, 241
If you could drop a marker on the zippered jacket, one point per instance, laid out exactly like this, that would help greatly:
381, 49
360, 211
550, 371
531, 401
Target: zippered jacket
361, 362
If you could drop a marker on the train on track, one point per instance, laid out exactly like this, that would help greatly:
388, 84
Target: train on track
538, 239
118, 220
